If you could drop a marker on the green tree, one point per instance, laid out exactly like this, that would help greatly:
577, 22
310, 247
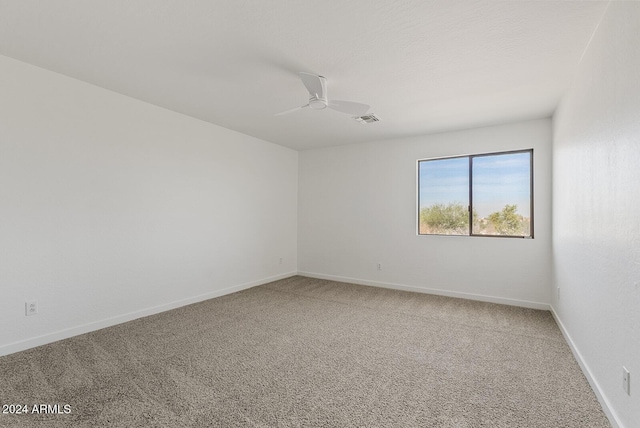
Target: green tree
451, 219
507, 221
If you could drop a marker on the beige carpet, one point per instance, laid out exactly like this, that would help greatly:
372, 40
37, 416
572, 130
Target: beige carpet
308, 352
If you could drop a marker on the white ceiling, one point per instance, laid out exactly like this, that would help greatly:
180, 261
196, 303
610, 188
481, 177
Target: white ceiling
423, 66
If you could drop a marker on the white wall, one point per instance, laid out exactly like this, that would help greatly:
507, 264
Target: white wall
596, 206
112, 208
357, 207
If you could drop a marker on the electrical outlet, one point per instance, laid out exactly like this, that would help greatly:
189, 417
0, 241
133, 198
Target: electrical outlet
626, 380
379, 266
30, 307
280, 260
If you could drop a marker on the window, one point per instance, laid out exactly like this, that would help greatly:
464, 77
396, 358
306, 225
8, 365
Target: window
488, 194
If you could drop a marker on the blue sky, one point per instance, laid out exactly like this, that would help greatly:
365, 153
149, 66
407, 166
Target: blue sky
497, 180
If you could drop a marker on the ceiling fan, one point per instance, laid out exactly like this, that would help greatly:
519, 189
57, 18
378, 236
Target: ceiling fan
318, 100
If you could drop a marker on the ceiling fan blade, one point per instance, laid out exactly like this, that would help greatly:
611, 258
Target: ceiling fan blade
316, 85
282, 113
349, 107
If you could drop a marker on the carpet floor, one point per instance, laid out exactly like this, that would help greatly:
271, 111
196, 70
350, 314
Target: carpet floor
313, 353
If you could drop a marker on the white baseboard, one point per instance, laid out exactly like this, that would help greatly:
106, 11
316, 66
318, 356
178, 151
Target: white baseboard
606, 407
97, 325
470, 296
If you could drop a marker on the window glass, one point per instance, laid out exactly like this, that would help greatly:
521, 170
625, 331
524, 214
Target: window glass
502, 194
444, 196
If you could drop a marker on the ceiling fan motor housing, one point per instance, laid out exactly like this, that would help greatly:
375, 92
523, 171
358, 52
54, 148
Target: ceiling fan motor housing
317, 103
